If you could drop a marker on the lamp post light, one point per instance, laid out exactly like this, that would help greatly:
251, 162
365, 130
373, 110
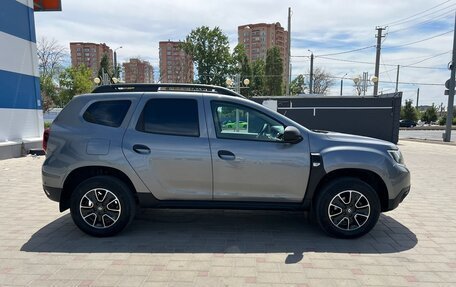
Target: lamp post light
363, 83
236, 84
342, 83
357, 80
115, 62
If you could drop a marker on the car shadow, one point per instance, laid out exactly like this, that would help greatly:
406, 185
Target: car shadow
220, 231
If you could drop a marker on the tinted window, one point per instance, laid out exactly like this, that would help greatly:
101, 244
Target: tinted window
234, 121
107, 113
171, 117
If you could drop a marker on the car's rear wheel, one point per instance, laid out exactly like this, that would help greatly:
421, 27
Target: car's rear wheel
347, 208
102, 206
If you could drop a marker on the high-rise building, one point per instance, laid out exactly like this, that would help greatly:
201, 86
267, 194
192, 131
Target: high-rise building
258, 38
137, 71
175, 65
89, 54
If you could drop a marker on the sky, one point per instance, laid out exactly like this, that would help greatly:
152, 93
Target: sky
419, 34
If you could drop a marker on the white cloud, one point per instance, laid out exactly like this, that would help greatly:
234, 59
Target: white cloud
322, 26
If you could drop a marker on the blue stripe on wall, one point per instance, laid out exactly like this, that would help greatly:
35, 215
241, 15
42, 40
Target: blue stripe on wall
17, 19
19, 91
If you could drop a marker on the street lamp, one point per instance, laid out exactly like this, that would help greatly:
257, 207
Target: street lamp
363, 83
237, 83
342, 83
115, 62
357, 80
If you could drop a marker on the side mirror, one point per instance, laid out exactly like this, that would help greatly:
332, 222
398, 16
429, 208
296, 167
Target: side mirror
292, 135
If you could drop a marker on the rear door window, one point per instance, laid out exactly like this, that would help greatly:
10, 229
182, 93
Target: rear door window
170, 117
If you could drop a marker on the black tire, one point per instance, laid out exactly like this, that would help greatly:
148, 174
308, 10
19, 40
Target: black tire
356, 199
102, 206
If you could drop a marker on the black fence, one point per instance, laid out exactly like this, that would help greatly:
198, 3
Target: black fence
376, 117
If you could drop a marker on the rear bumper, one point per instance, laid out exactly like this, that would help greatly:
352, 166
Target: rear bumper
393, 203
52, 193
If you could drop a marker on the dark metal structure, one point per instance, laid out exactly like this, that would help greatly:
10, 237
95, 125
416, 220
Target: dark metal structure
376, 117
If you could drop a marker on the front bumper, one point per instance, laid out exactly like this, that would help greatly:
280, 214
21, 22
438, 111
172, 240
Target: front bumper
393, 203
53, 193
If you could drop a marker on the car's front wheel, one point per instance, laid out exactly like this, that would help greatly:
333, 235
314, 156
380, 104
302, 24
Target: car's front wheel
102, 206
347, 208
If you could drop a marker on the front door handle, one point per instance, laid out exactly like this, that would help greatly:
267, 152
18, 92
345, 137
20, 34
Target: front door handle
141, 149
226, 155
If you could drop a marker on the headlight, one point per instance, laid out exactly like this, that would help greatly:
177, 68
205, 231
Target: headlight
397, 156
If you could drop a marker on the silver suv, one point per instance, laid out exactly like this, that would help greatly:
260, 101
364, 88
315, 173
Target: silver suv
198, 146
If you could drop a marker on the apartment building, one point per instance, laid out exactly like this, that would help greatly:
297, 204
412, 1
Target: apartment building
138, 71
89, 54
175, 65
258, 38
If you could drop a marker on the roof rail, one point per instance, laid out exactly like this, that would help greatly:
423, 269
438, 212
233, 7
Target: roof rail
164, 87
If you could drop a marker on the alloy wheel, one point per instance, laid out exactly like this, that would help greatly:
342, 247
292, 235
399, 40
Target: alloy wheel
349, 210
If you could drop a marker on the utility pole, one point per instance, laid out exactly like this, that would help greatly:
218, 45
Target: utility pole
417, 97
397, 78
311, 73
342, 84
289, 54
451, 87
377, 57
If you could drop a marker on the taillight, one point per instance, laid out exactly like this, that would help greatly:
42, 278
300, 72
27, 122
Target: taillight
45, 138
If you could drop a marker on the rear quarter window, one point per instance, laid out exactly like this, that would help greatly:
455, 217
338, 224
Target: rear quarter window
107, 113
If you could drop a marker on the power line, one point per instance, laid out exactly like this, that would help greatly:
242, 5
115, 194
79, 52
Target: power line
346, 52
385, 82
419, 41
387, 72
431, 57
418, 57
411, 83
446, 14
429, 14
397, 22
391, 65
338, 53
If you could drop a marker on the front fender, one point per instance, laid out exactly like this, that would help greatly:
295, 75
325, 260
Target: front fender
364, 158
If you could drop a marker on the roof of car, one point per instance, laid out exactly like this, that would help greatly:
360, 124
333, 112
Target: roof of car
125, 88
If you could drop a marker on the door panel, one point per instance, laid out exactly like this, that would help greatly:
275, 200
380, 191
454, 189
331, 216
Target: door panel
250, 161
173, 167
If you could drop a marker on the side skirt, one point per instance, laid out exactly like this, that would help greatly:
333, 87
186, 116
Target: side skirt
148, 200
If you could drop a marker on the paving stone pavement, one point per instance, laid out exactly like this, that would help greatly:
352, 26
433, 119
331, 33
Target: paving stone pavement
414, 245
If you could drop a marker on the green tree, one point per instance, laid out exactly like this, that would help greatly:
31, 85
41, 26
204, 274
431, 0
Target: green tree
298, 85
257, 82
241, 68
49, 92
105, 66
273, 72
50, 58
74, 81
408, 112
210, 51
430, 115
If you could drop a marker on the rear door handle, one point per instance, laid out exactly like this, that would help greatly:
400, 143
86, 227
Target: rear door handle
226, 155
141, 149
